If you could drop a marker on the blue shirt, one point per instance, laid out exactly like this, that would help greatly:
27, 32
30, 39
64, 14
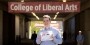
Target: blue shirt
80, 37
57, 39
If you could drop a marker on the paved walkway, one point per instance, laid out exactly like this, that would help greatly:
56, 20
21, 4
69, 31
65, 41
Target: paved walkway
29, 42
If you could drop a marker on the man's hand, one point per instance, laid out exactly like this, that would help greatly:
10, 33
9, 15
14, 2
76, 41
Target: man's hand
77, 40
40, 37
52, 36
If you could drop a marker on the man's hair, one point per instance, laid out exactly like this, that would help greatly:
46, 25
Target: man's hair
80, 31
47, 16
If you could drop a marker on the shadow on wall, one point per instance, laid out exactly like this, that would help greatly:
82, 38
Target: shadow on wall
86, 37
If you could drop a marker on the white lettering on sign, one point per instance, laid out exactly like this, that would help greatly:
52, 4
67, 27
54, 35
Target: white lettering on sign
49, 7
71, 7
38, 7
43, 7
21, 7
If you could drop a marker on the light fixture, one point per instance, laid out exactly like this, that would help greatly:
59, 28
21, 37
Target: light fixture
22, 0
53, 22
64, 0
35, 15
56, 15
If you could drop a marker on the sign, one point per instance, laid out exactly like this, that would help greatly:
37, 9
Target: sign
45, 36
43, 7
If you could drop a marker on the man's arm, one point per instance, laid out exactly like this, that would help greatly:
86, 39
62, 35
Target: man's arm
58, 39
32, 37
38, 39
83, 38
77, 38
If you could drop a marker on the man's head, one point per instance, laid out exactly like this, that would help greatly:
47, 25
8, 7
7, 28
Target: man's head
34, 32
80, 32
46, 20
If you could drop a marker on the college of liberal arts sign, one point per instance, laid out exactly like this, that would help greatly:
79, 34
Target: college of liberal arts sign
43, 7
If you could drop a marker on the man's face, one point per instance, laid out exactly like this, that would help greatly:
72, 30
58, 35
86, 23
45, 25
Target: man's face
79, 33
46, 21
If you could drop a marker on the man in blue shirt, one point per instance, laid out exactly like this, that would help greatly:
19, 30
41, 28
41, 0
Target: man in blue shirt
55, 35
80, 38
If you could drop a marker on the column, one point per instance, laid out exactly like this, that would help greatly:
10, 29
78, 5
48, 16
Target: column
8, 28
28, 29
87, 27
1, 26
21, 27
17, 35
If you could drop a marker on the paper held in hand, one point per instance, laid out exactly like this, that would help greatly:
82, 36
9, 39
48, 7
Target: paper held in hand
45, 36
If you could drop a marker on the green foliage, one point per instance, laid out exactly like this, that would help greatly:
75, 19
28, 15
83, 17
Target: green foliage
33, 28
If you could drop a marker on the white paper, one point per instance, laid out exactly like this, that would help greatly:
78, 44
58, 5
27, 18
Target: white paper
45, 36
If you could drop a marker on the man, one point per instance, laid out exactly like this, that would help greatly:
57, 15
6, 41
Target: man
64, 36
80, 38
34, 36
55, 35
